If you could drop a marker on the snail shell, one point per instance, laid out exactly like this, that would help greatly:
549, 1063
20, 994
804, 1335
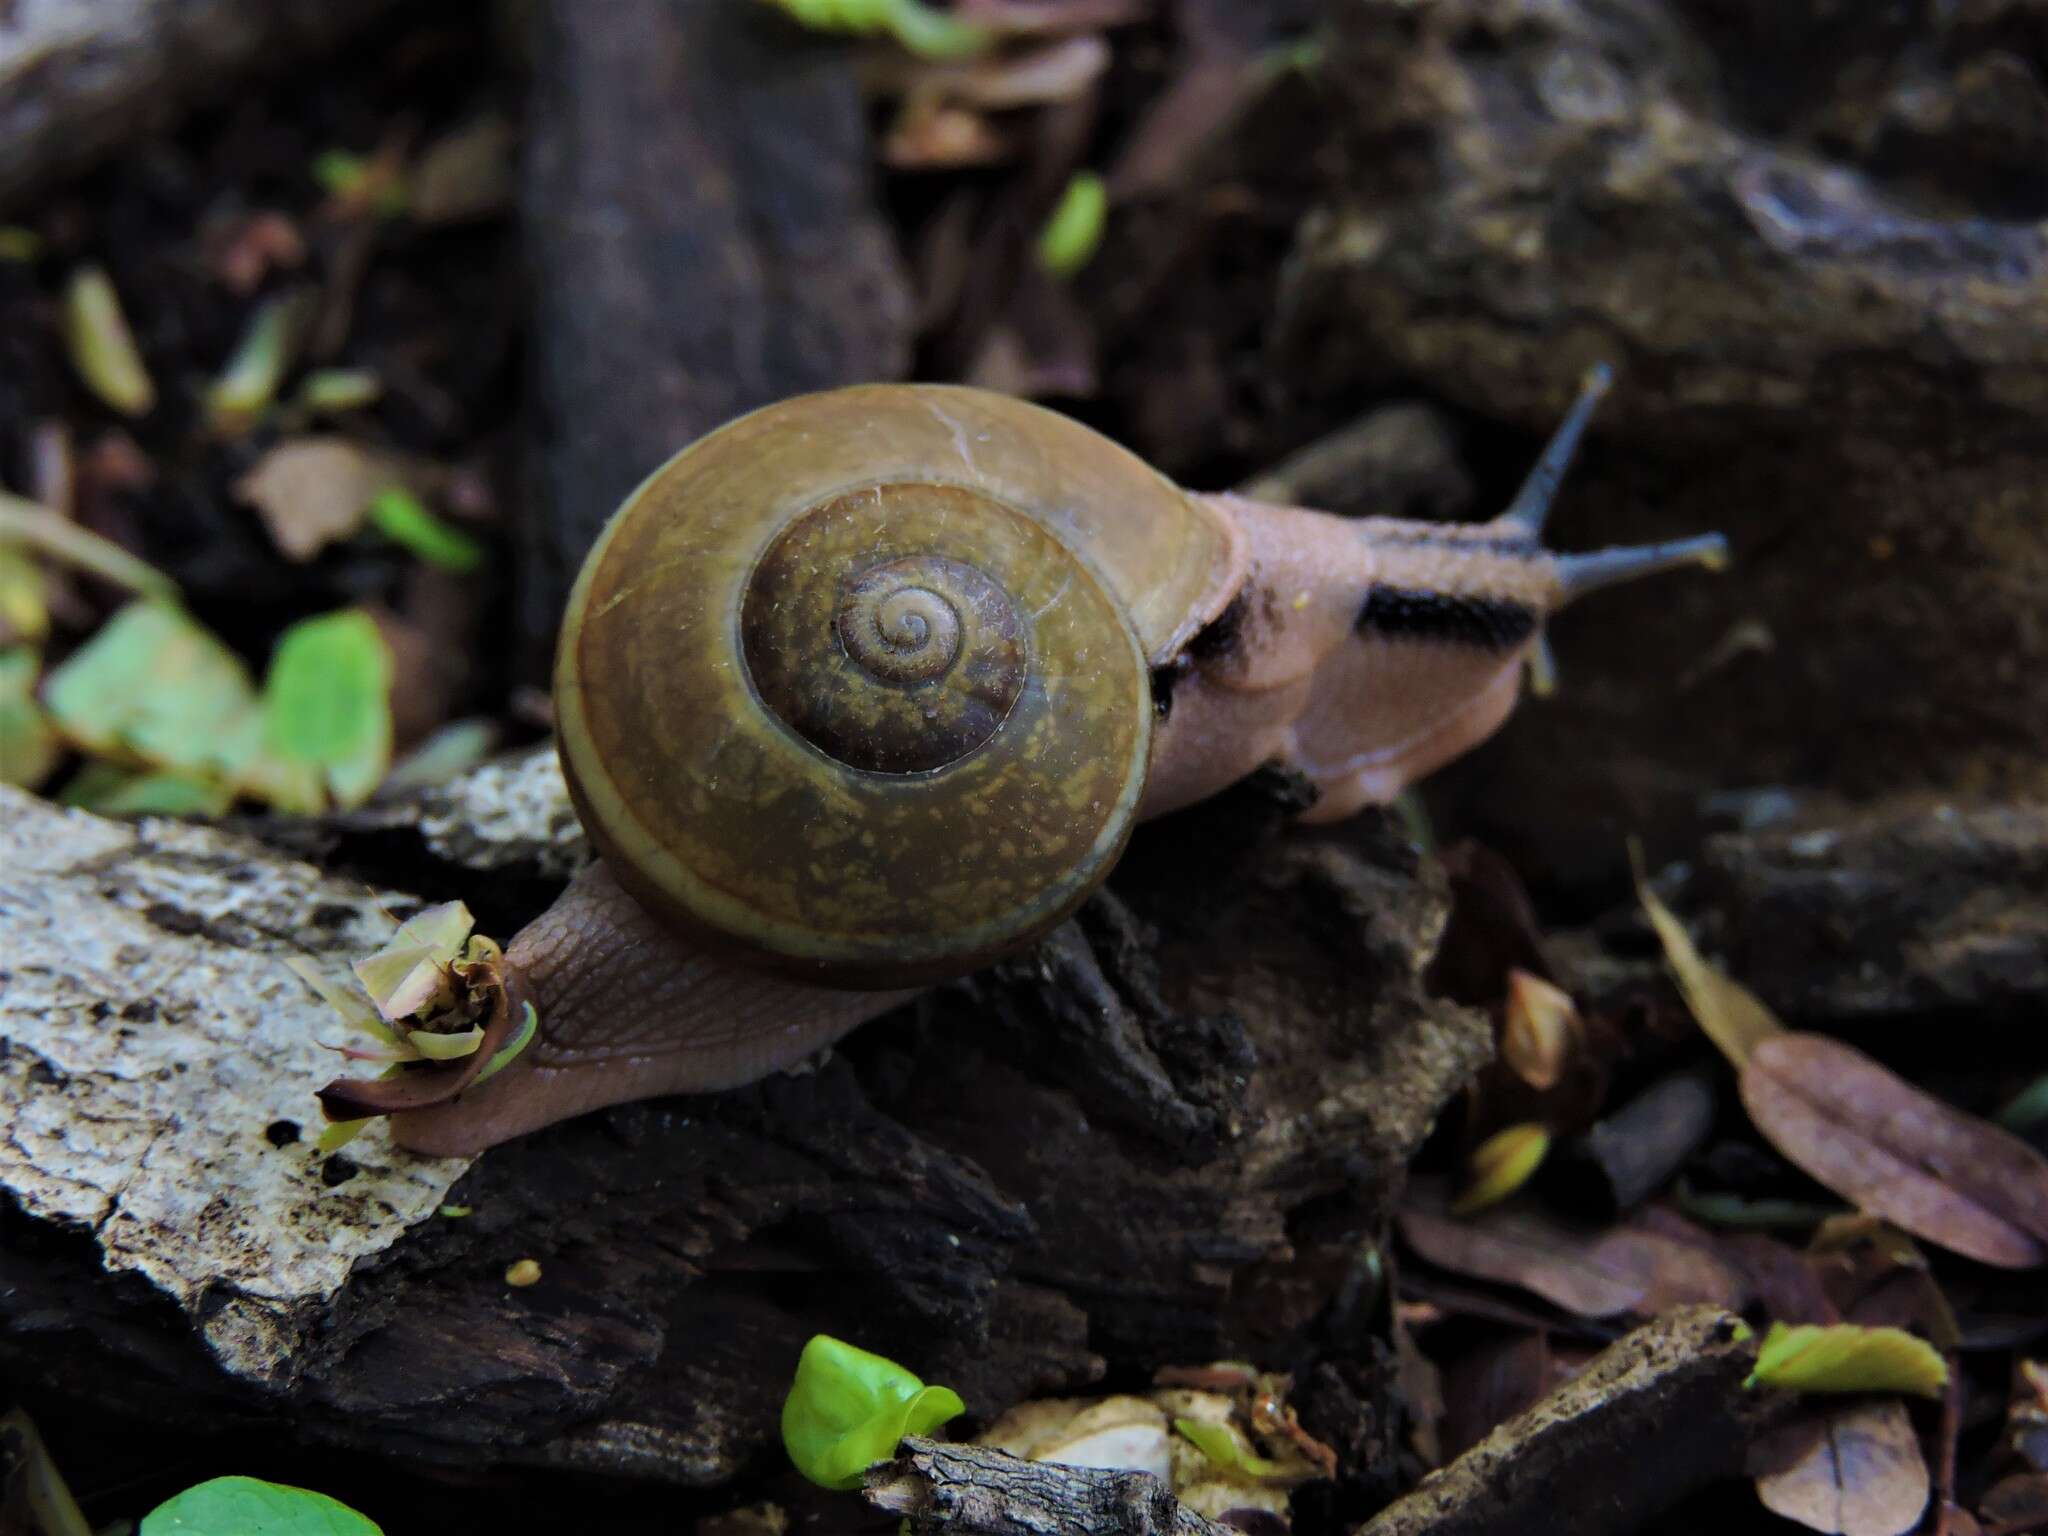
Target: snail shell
859, 684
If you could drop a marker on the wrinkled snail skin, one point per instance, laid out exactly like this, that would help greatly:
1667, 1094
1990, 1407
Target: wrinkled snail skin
867, 688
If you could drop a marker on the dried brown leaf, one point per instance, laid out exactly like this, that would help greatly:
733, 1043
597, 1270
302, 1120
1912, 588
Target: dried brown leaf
1732, 1016
1897, 1152
310, 492
466, 174
1489, 1385
1538, 1028
1856, 1471
1589, 1274
2016, 1503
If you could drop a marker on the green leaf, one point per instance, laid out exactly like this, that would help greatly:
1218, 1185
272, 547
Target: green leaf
1074, 232
1502, 1164
249, 383
26, 523
1222, 1445
108, 789
928, 33
529, 1025
247, 1506
101, 346
436, 1046
398, 515
329, 391
354, 1007
849, 1409
155, 687
340, 1133
327, 703
1848, 1358
29, 748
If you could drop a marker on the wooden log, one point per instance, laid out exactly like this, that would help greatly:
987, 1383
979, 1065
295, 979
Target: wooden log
1089, 1158
1656, 1416
81, 78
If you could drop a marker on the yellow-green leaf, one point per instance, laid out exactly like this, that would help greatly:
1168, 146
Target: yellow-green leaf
928, 33
445, 1047
29, 747
1500, 1165
108, 789
1074, 232
101, 346
400, 517
330, 391
35, 526
1847, 1358
1732, 1016
249, 382
340, 1133
354, 1007
529, 1026
1223, 1446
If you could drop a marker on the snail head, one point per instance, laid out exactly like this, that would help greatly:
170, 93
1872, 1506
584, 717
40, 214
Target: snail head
1364, 653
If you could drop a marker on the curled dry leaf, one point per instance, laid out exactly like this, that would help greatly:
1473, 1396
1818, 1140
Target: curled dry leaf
1538, 1027
1856, 1471
2016, 1503
310, 492
1731, 1015
1589, 1274
1897, 1152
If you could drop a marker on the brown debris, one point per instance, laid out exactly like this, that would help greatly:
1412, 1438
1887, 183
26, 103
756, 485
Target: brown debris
1653, 1418
1854, 1470
1899, 1152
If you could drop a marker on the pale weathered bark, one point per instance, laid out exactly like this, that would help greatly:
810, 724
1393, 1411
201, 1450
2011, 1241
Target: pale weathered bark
1085, 1159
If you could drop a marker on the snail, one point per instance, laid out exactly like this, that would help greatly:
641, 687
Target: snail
869, 687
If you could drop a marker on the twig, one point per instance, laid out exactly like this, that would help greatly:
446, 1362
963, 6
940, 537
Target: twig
969, 1488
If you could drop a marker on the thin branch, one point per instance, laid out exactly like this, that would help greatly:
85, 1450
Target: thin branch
969, 1488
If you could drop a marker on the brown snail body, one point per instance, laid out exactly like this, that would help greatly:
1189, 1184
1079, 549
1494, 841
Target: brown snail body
867, 688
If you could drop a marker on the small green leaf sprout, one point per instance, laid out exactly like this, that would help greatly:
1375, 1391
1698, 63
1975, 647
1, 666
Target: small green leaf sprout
232, 1506
400, 517
1074, 232
1227, 1450
101, 346
1502, 1164
248, 385
848, 1409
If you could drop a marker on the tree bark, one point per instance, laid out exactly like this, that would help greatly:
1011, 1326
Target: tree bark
1089, 1158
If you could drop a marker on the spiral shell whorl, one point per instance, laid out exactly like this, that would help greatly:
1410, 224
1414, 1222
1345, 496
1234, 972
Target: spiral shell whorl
878, 649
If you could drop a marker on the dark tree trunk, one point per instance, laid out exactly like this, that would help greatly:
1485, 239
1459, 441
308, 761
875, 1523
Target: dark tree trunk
702, 240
